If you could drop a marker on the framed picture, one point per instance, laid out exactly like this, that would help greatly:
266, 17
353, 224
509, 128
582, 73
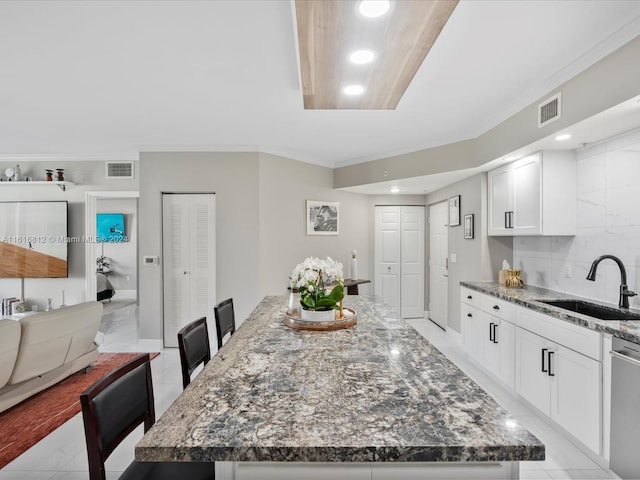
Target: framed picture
454, 211
468, 226
323, 218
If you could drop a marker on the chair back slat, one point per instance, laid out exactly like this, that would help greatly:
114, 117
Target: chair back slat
193, 342
225, 319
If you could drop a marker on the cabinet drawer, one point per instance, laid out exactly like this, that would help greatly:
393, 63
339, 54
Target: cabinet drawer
497, 307
579, 339
470, 297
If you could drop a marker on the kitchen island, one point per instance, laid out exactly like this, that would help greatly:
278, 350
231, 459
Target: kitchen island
373, 399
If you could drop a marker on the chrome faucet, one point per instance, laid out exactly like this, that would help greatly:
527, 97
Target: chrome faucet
625, 293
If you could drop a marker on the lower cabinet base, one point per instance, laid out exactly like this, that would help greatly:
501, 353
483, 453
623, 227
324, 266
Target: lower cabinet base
368, 471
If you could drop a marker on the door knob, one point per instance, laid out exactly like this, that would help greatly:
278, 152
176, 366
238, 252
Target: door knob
388, 269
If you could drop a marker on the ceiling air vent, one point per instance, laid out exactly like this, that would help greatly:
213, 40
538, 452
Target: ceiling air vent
549, 110
119, 170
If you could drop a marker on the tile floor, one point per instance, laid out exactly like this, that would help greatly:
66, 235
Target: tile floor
62, 455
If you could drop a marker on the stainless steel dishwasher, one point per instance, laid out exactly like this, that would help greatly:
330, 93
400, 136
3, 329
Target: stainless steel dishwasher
625, 409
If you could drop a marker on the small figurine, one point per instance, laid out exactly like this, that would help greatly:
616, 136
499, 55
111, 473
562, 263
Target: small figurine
60, 173
49, 175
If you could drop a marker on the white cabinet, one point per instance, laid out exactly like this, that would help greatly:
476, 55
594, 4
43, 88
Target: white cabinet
555, 365
487, 337
535, 195
561, 383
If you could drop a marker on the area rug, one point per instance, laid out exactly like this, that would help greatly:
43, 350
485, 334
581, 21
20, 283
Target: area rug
27, 423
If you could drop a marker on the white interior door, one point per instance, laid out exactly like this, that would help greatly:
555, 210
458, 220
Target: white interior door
387, 255
188, 238
438, 263
412, 258
399, 258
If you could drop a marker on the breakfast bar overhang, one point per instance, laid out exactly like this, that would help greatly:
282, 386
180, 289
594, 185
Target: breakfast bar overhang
376, 397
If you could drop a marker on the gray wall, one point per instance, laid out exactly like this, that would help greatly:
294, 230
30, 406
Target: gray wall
479, 258
260, 223
88, 176
234, 179
285, 185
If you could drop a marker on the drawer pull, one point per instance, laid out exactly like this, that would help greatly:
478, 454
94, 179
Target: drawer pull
469, 315
496, 307
549, 363
469, 297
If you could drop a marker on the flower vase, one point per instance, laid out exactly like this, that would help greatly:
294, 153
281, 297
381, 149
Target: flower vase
354, 268
318, 315
293, 307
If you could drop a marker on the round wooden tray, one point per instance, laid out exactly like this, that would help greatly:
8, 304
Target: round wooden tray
349, 320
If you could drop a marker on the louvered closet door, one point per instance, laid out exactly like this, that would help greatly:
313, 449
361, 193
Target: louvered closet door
188, 238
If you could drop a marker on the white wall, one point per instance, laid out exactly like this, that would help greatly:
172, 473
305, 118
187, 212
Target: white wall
608, 222
87, 176
123, 256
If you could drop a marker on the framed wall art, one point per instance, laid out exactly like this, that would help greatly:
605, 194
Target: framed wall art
454, 211
323, 218
468, 226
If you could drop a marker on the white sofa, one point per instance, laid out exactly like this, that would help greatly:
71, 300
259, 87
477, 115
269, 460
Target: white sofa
42, 349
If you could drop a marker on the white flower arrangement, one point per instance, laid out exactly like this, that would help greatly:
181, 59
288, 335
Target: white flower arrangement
310, 278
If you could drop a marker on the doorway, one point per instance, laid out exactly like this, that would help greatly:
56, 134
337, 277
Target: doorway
438, 263
93, 249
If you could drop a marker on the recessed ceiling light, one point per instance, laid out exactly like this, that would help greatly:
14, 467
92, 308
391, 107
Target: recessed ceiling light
361, 57
374, 8
353, 90
564, 136
394, 189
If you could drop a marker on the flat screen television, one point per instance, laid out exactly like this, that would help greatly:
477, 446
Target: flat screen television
33, 240
110, 227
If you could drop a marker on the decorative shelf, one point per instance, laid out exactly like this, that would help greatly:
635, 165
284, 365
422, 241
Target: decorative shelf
62, 185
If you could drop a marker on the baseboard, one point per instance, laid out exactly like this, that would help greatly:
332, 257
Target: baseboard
455, 336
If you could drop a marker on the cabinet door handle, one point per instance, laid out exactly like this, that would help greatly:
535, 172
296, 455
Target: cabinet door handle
544, 370
496, 307
495, 330
491, 332
469, 297
506, 219
549, 363
469, 315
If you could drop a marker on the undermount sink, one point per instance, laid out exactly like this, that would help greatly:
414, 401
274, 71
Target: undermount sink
593, 309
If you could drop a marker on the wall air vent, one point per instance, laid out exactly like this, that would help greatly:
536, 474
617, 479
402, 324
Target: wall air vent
119, 170
549, 110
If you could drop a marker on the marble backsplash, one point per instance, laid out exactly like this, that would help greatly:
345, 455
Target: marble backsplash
608, 222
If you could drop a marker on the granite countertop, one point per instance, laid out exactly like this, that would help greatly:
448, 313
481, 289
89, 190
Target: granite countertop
529, 297
376, 392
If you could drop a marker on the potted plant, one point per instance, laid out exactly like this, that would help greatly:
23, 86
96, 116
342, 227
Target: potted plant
320, 286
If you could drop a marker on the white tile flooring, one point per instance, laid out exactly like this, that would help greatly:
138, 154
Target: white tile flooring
62, 454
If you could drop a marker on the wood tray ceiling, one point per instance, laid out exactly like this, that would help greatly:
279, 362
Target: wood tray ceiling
328, 30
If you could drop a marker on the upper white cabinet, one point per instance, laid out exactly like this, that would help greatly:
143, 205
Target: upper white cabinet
535, 195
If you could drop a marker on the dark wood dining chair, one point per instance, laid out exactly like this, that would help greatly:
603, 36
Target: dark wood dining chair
193, 342
115, 406
225, 319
